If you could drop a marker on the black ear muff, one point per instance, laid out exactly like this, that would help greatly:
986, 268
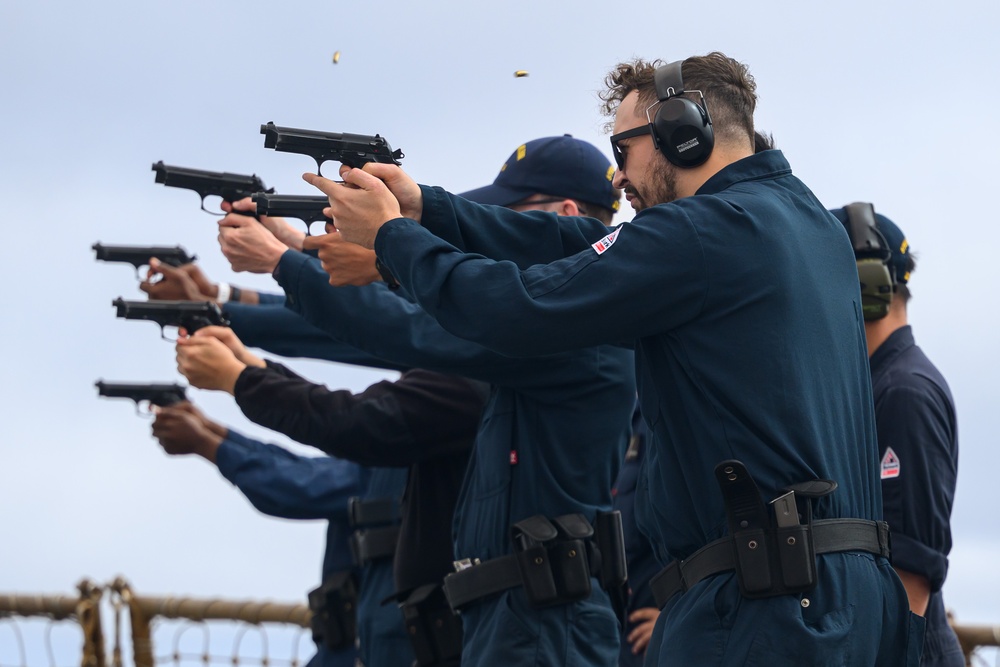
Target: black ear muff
872, 254
682, 128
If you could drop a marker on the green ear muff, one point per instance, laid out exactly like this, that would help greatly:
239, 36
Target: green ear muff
876, 288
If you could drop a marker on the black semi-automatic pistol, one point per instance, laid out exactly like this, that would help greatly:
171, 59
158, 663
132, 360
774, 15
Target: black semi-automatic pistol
140, 392
230, 187
139, 255
354, 150
191, 315
308, 208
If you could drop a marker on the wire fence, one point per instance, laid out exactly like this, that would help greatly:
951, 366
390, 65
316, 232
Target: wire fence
182, 632
87, 630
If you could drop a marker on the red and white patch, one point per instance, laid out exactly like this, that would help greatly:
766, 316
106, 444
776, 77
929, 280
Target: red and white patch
606, 242
513, 457
890, 464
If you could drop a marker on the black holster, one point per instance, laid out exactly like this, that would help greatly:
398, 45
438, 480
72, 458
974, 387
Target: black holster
771, 559
609, 559
333, 606
435, 631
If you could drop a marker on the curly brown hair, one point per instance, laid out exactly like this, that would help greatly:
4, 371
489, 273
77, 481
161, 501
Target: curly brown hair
729, 89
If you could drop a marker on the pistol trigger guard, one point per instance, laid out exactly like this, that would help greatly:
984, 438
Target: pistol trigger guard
163, 335
212, 213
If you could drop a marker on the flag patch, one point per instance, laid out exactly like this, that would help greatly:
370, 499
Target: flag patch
890, 464
606, 242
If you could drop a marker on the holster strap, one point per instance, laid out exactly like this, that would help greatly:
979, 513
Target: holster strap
479, 581
373, 544
829, 535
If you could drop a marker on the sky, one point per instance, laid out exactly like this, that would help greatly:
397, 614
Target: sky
887, 102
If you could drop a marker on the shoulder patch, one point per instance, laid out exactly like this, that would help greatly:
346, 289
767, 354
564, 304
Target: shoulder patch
890, 464
606, 242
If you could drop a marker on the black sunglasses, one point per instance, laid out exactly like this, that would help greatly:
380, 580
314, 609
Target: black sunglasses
627, 134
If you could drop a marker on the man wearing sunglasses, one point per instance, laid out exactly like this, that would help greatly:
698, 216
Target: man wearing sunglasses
739, 293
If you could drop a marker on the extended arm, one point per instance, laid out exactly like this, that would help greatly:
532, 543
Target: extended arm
276, 329
528, 238
280, 483
422, 415
643, 279
276, 481
374, 319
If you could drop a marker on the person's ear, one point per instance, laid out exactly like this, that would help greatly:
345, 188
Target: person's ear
568, 207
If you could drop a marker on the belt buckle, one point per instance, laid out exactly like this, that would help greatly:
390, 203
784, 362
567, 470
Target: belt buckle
465, 564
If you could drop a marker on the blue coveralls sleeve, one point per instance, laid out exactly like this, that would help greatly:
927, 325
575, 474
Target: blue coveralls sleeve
527, 238
286, 485
917, 504
270, 298
276, 329
645, 277
387, 326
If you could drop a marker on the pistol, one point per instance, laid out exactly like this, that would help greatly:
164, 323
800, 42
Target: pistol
230, 187
151, 394
192, 315
139, 255
308, 208
354, 150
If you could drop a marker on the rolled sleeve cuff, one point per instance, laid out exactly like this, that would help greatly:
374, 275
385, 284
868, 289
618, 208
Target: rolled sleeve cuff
383, 240
289, 273
231, 454
916, 557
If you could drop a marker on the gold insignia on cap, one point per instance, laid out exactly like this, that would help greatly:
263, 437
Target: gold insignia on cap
616, 205
611, 173
903, 247
521, 150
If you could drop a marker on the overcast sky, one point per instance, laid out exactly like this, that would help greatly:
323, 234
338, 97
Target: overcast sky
889, 102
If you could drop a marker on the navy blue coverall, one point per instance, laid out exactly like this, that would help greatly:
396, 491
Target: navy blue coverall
744, 308
551, 441
282, 484
918, 443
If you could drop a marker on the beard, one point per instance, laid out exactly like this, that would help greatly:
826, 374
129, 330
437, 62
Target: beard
661, 189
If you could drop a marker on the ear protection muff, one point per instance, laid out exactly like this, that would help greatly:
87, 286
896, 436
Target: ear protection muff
682, 129
872, 254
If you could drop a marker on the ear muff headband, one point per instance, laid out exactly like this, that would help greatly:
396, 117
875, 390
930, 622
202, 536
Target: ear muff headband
682, 129
872, 254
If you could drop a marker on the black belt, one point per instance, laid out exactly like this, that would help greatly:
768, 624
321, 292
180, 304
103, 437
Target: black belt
829, 535
481, 580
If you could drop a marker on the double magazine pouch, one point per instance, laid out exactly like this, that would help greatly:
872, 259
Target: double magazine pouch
773, 547
552, 558
435, 631
333, 606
